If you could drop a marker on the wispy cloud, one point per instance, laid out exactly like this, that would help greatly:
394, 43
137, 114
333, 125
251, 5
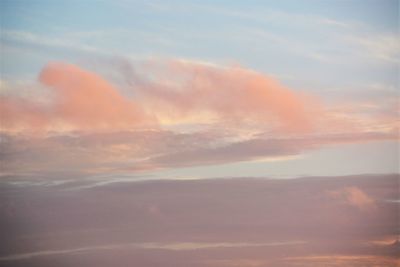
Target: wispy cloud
176, 246
383, 47
44, 41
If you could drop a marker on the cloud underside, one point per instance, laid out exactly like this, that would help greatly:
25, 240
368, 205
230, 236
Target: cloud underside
169, 113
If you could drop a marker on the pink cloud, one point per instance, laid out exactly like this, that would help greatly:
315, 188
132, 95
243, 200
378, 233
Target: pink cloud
89, 101
111, 131
20, 114
178, 92
85, 101
82, 101
231, 94
355, 197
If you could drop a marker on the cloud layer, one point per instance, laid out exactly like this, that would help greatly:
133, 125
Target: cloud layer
174, 89
169, 113
211, 222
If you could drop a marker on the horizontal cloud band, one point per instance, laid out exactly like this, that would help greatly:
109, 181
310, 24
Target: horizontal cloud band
223, 114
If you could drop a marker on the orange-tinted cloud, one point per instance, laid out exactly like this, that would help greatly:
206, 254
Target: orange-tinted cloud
232, 94
264, 115
82, 101
355, 197
89, 101
18, 114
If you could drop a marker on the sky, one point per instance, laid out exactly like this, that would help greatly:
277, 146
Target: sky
222, 80
253, 114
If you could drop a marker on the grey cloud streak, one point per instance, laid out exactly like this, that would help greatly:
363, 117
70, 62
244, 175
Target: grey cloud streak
151, 150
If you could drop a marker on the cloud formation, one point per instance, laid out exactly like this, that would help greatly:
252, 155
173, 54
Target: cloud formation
172, 90
355, 197
180, 114
81, 101
228, 94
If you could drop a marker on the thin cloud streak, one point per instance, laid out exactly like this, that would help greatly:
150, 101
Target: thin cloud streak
183, 246
31, 39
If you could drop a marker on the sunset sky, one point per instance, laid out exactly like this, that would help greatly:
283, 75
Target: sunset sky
101, 92
214, 84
